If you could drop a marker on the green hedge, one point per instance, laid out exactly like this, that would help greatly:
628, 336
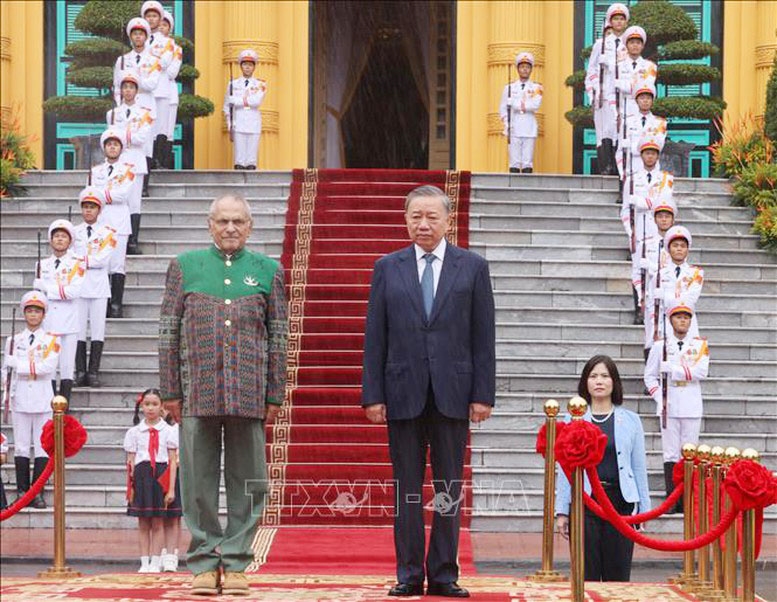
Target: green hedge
664, 22
770, 116
683, 74
691, 107
576, 80
79, 108
580, 116
686, 50
107, 18
187, 73
91, 77
191, 106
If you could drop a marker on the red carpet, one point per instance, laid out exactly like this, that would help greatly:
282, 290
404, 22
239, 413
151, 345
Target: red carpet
329, 466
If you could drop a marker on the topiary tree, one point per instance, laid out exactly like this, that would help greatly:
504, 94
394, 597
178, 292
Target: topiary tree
671, 36
770, 116
92, 61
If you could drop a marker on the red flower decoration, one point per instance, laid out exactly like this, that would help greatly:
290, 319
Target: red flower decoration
542, 437
580, 444
75, 436
750, 485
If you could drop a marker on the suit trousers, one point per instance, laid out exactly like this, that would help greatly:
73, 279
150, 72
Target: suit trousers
409, 440
246, 149
27, 429
677, 433
92, 311
607, 552
245, 480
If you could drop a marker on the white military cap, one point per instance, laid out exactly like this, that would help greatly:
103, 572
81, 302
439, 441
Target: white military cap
248, 55
152, 5
138, 23
524, 57
676, 232
645, 88
635, 31
617, 9
648, 142
34, 299
166, 16
677, 306
111, 133
92, 194
62, 224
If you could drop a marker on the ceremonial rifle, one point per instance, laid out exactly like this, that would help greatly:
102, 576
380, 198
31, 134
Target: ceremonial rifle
10, 370
631, 208
617, 91
657, 303
37, 269
643, 270
231, 107
70, 212
601, 65
509, 110
664, 383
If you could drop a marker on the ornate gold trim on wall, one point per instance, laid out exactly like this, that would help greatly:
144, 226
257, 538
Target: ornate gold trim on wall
268, 51
270, 121
5, 48
496, 127
764, 55
503, 53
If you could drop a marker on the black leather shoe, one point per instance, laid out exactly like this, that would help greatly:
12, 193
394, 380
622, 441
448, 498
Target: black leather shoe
407, 589
447, 590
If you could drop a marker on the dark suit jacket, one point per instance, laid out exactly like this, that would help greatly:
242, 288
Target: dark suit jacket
455, 348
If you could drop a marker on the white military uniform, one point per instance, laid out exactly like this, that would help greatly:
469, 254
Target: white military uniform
605, 118
94, 244
117, 181
685, 286
657, 259
147, 69
34, 362
633, 73
247, 95
168, 129
522, 99
61, 279
136, 124
650, 189
688, 362
160, 47
639, 125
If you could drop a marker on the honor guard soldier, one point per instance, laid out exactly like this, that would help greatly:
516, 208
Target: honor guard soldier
520, 101
600, 85
146, 68
137, 123
680, 281
643, 191
116, 177
61, 279
639, 125
241, 107
656, 258
166, 26
633, 71
681, 361
33, 356
95, 242
162, 52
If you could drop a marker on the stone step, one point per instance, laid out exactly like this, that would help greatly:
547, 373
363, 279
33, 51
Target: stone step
566, 384
593, 182
181, 189
267, 241
156, 224
79, 176
194, 207
499, 248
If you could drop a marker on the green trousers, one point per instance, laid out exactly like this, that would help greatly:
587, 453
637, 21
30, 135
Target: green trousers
245, 478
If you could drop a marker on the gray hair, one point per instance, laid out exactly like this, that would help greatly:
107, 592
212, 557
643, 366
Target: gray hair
230, 195
428, 191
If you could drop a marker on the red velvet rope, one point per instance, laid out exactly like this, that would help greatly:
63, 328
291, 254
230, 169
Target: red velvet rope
75, 437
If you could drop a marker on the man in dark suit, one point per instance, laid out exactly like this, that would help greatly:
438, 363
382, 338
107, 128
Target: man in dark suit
429, 367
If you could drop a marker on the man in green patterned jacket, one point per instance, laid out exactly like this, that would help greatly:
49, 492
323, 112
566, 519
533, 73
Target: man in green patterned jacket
222, 368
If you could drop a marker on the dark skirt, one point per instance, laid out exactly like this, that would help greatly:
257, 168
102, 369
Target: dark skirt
149, 499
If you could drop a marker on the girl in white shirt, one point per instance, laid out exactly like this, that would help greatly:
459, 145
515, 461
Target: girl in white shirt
150, 445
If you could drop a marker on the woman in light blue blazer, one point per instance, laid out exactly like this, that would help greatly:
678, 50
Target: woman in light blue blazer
622, 471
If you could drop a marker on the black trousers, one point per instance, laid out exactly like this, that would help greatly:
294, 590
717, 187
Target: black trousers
607, 552
409, 440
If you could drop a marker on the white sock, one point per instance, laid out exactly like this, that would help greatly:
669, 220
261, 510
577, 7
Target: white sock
144, 563
155, 565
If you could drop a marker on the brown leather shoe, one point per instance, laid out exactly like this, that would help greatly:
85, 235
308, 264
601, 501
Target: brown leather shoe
234, 584
206, 584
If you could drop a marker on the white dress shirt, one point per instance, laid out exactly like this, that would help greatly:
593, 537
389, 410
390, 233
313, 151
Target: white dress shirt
439, 253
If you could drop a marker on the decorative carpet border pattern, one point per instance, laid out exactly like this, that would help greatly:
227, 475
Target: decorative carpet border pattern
314, 587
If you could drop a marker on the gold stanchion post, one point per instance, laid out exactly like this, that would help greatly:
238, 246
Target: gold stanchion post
577, 407
703, 585
688, 576
717, 456
732, 454
59, 570
546, 573
748, 542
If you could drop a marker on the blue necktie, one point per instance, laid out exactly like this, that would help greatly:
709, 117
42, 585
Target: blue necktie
427, 284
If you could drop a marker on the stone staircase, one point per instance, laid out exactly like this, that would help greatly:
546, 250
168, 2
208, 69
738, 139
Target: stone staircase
558, 263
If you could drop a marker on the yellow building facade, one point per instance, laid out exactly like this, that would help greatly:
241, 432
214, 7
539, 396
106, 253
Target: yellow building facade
488, 35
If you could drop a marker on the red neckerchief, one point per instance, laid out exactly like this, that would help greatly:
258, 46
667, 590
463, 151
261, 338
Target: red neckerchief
153, 446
